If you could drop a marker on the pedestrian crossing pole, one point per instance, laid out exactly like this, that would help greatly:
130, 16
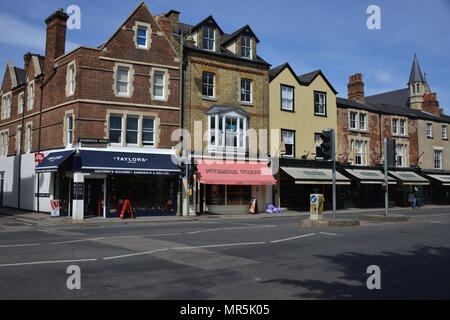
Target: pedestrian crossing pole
386, 198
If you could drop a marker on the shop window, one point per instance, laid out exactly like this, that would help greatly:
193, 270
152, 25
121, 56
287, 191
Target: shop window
215, 194
148, 195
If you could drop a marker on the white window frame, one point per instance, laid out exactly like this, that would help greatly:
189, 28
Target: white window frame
21, 103
444, 131
29, 138
141, 27
155, 73
395, 125
246, 48
429, 130
71, 79
220, 136
245, 91
137, 130
437, 159
353, 123
121, 93
287, 98
402, 126
206, 39
401, 153
362, 121
4, 141
152, 131
358, 154
30, 95
320, 104
121, 116
69, 129
213, 85
292, 155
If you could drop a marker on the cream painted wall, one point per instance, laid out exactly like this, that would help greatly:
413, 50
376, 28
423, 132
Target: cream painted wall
427, 145
302, 120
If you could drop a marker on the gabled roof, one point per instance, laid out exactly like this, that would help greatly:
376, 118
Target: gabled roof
416, 74
208, 21
303, 80
396, 97
245, 30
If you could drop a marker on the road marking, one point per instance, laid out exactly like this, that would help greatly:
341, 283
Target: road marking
232, 228
287, 239
207, 230
134, 254
444, 222
45, 262
220, 245
328, 234
20, 245
79, 240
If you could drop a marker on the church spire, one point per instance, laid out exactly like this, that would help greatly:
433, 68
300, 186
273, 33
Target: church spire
416, 74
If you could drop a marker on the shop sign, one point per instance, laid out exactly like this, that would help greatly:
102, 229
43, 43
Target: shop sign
38, 157
78, 191
55, 208
42, 195
93, 141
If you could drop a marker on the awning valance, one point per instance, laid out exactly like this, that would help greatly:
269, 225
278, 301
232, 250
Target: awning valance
314, 176
228, 172
117, 162
445, 179
409, 178
52, 161
369, 176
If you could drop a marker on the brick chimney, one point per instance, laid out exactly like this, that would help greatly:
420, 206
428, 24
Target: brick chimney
174, 17
164, 23
430, 104
356, 88
27, 61
55, 42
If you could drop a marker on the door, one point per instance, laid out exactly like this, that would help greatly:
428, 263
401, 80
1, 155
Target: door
93, 197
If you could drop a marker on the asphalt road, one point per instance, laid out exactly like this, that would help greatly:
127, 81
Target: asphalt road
241, 259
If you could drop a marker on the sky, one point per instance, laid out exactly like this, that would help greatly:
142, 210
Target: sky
329, 35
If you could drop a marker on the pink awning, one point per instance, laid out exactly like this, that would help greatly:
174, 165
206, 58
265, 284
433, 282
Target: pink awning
234, 172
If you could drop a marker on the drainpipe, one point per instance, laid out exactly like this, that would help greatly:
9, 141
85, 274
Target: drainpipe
42, 86
21, 144
180, 183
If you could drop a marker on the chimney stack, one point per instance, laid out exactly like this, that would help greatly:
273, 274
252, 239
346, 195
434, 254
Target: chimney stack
174, 17
164, 23
26, 61
55, 43
356, 88
430, 104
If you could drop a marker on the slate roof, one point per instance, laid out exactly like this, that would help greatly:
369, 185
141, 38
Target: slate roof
307, 78
396, 97
217, 109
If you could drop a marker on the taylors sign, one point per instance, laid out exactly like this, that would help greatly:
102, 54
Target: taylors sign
130, 160
54, 158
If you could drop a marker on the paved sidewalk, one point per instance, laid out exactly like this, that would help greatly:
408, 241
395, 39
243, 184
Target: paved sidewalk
46, 219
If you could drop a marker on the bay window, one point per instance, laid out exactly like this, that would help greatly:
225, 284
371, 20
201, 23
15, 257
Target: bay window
227, 133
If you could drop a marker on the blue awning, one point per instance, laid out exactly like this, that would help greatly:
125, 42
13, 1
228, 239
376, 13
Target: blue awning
109, 162
53, 160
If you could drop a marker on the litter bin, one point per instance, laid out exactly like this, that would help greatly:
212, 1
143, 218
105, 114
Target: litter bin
316, 206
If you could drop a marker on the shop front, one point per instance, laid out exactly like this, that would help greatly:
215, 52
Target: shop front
229, 187
366, 188
439, 191
406, 181
100, 183
298, 183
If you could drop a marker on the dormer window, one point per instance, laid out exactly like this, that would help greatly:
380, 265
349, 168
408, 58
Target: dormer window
246, 47
208, 38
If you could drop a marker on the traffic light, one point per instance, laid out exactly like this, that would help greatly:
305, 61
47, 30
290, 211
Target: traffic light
326, 147
390, 156
193, 166
182, 167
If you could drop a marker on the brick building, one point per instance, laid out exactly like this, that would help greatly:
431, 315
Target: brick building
225, 108
104, 122
403, 116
